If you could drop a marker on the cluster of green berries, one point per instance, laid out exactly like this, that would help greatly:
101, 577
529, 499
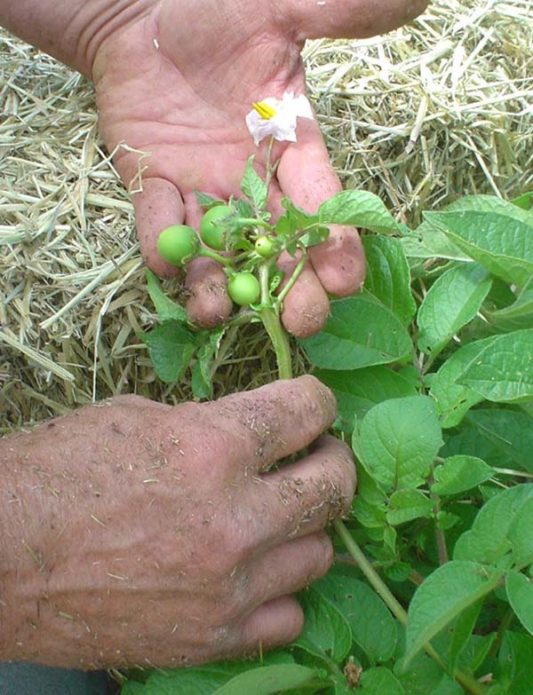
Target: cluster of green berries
179, 244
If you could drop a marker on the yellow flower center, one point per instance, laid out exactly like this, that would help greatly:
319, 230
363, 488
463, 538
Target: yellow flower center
264, 110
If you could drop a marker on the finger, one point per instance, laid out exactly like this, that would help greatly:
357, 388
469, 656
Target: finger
356, 19
304, 497
157, 206
274, 421
290, 567
208, 303
306, 306
274, 623
339, 261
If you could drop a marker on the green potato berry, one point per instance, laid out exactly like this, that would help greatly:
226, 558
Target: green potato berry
265, 246
178, 244
244, 288
211, 231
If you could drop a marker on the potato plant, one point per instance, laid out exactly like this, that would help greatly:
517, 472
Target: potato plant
432, 367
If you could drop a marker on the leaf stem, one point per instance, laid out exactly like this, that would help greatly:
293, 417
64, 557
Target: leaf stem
511, 471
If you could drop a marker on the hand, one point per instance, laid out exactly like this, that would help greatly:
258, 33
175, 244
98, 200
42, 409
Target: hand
139, 533
177, 83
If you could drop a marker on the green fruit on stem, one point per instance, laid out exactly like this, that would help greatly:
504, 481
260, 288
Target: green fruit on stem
211, 231
178, 244
244, 288
265, 246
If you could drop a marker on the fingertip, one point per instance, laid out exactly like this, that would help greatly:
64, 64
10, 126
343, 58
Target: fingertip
339, 262
208, 303
157, 206
273, 624
306, 306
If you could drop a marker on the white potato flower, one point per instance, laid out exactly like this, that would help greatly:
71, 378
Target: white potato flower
277, 117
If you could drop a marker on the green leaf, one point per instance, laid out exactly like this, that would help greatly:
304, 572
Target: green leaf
516, 657
326, 631
429, 242
496, 532
524, 201
520, 594
502, 371
503, 438
360, 209
359, 390
200, 680
166, 309
499, 241
314, 236
517, 315
268, 680
133, 688
378, 681
460, 473
398, 440
369, 505
206, 201
475, 651
452, 301
171, 347
487, 204
453, 399
406, 505
388, 277
422, 676
253, 186
373, 627
445, 593
201, 379
294, 219
360, 332
461, 631
521, 536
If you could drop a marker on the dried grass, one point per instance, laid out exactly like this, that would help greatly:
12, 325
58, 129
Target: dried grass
421, 116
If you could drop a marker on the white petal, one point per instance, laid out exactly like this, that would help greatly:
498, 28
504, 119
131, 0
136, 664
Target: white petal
282, 126
303, 107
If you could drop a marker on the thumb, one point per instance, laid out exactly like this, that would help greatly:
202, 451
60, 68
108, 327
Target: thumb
355, 19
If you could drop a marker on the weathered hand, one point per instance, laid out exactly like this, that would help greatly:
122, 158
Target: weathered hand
139, 533
177, 83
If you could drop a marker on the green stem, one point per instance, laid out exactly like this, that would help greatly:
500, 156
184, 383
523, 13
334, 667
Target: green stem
298, 269
270, 318
253, 222
272, 324
373, 578
370, 573
215, 256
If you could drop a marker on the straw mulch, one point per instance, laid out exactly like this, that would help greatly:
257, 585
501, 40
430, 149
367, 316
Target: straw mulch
427, 113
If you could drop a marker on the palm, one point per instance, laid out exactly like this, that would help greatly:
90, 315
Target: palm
185, 105
177, 85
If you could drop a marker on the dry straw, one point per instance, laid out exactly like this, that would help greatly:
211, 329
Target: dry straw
420, 116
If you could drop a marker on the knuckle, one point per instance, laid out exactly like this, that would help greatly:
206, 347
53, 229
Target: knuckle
229, 549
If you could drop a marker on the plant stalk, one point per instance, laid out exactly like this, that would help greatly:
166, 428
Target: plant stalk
272, 323
373, 578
